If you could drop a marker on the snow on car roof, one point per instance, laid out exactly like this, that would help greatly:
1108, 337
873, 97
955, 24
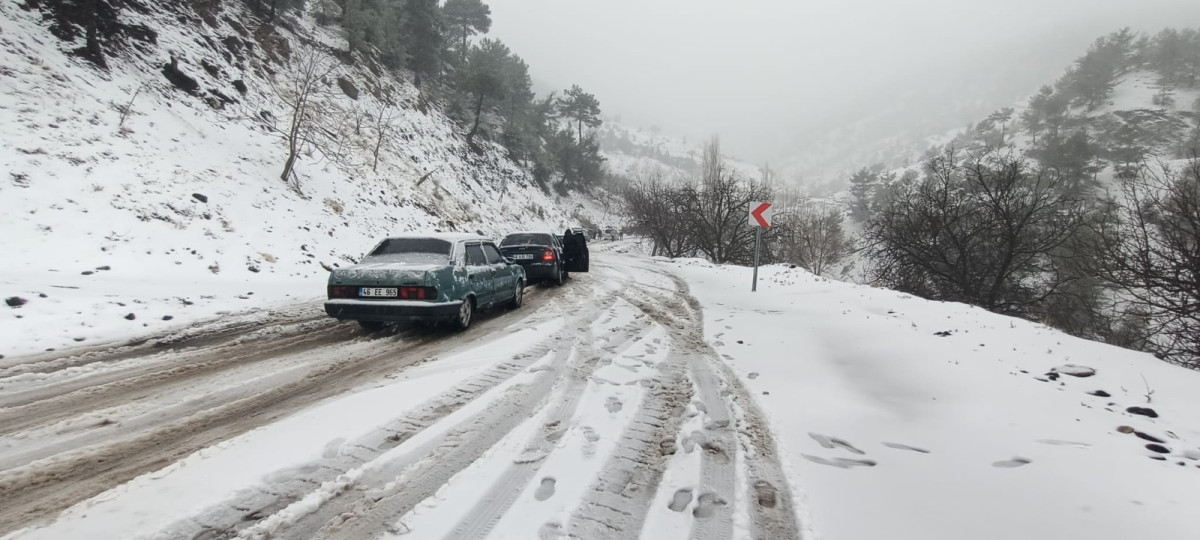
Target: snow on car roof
529, 232
447, 236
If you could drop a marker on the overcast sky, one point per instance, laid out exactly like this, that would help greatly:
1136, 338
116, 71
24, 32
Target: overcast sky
763, 71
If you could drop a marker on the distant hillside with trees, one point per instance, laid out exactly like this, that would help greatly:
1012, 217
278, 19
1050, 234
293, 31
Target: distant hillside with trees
1079, 209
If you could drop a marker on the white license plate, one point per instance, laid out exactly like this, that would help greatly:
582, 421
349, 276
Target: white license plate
522, 256
377, 292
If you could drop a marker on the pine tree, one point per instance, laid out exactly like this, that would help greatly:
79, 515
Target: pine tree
422, 25
581, 107
467, 18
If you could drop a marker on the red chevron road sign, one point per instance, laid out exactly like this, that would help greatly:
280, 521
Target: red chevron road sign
760, 214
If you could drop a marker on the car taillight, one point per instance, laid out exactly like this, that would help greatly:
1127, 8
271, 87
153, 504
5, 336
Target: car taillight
548, 255
418, 293
342, 291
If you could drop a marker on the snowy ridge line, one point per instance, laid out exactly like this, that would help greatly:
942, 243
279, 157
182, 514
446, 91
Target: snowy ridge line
773, 512
287, 487
493, 505
92, 391
56, 483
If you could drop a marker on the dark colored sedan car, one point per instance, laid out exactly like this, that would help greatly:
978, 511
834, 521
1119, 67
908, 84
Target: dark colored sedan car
539, 253
543, 256
435, 277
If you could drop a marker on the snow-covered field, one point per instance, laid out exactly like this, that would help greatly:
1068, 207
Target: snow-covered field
900, 418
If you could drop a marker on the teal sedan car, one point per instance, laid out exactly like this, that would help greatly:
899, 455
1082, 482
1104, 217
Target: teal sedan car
431, 277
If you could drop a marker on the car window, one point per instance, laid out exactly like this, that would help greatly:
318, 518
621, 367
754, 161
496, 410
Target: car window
475, 256
412, 251
526, 239
493, 254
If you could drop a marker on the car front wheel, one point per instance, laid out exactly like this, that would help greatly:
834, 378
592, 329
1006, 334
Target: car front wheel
466, 312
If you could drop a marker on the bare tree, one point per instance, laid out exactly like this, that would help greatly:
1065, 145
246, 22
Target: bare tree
1147, 245
982, 231
661, 210
302, 90
383, 122
721, 214
812, 237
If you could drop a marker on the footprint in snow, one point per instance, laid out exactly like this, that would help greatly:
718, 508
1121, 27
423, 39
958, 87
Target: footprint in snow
841, 463
834, 442
1057, 442
551, 531
1012, 463
333, 448
707, 505
613, 404
546, 490
590, 437
691, 441
899, 446
681, 500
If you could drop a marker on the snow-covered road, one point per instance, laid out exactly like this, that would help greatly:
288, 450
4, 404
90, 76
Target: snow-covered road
596, 411
647, 399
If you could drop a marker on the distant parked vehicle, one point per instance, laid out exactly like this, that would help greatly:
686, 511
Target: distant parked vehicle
433, 277
539, 253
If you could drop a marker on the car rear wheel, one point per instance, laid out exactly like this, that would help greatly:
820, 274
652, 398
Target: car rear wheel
518, 295
560, 276
371, 326
466, 312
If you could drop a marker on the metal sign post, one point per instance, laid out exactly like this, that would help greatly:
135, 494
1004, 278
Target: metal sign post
760, 218
757, 241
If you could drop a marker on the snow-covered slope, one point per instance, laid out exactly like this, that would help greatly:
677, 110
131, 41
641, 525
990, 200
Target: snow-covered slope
901, 418
630, 151
109, 227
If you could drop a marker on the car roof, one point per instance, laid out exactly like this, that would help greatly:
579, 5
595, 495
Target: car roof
447, 236
529, 232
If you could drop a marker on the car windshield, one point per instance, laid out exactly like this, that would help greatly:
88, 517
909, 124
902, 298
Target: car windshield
526, 239
411, 251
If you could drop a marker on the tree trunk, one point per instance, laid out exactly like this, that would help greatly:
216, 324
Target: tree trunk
579, 126
93, 38
475, 128
464, 44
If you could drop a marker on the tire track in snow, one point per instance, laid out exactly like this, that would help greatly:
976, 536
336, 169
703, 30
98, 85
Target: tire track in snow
617, 503
45, 405
364, 503
714, 511
218, 331
41, 489
366, 507
288, 486
493, 505
772, 507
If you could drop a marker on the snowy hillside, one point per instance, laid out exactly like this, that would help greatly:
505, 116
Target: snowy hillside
629, 151
185, 190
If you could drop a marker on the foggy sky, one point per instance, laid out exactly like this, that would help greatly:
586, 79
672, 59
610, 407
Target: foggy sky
765, 74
